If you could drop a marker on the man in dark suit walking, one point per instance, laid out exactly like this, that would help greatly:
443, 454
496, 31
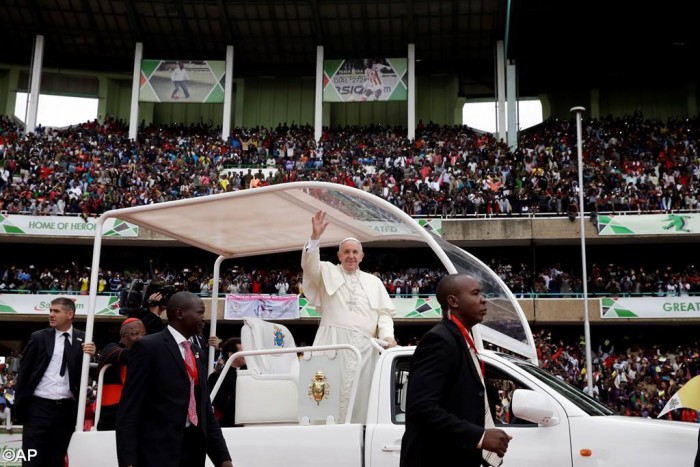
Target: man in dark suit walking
48, 384
165, 416
447, 407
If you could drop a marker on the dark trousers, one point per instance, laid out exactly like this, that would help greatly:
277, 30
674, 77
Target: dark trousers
108, 418
194, 448
47, 429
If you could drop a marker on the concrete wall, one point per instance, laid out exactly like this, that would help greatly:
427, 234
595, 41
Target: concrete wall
654, 102
514, 230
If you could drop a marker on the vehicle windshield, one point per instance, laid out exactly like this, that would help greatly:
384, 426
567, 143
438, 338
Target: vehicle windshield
575, 395
502, 316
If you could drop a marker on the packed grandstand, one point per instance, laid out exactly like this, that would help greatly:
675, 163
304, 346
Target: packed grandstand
651, 167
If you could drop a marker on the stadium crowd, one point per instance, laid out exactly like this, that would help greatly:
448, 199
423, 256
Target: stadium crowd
522, 278
630, 164
637, 380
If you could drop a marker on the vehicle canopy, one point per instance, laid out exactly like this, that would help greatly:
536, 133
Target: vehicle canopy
276, 219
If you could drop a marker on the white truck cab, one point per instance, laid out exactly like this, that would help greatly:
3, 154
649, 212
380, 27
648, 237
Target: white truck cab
551, 422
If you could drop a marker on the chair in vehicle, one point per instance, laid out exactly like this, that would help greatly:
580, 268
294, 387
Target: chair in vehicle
267, 391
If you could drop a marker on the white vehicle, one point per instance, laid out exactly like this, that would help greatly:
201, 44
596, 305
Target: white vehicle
551, 422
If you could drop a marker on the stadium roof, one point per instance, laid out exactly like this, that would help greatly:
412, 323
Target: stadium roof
556, 43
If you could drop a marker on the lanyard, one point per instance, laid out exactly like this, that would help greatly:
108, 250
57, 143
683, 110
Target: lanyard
469, 340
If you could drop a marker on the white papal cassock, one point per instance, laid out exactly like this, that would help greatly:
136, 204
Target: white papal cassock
354, 308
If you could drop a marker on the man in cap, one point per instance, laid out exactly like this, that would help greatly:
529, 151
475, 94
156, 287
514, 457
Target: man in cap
116, 355
354, 306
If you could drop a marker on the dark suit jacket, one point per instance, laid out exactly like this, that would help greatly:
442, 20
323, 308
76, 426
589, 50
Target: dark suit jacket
153, 408
35, 360
225, 400
445, 402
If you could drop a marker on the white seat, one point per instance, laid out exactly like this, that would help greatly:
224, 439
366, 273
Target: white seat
267, 391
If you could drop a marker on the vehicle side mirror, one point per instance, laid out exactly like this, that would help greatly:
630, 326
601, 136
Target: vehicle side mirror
534, 407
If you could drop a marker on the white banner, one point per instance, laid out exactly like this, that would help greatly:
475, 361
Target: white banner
17, 224
650, 307
262, 306
107, 305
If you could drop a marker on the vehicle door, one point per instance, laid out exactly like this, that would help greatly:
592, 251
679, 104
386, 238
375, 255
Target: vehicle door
530, 444
387, 415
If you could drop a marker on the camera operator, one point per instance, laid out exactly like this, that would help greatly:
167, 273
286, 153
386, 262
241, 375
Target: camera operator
152, 319
149, 310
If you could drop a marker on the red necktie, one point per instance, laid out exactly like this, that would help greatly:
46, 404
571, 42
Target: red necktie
469, 340
192, 375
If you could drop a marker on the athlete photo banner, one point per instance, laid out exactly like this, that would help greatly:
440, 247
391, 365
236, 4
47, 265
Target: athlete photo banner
263, 306
183, 81
365, 80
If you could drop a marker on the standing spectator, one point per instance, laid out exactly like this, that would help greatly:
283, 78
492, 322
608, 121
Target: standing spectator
5, 415
165, 417
282, 285
117, 356
48, 384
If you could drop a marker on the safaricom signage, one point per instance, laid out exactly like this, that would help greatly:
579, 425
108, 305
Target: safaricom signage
15, 224
650, 307
107, 305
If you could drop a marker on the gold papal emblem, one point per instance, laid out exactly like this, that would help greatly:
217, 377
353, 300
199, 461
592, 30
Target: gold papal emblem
318, 388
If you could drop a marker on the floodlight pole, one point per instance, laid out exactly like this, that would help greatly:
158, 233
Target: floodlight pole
586, 323
135, 87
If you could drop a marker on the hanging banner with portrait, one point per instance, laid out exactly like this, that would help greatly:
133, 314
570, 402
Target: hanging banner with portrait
182, 81
365, 80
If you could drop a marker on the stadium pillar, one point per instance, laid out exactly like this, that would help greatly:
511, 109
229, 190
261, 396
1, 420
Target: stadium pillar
411, 91
318, 102
135, 86
228, 90
512, 97
586, 323
35, 85
501, 90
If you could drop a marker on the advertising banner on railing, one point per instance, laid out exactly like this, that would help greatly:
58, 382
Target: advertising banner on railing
406, 307
182, 81
650, 307
365, 80
107, 305
649, 224
17, 224
261, 306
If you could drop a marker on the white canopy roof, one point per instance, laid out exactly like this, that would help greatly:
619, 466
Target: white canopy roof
272, 219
